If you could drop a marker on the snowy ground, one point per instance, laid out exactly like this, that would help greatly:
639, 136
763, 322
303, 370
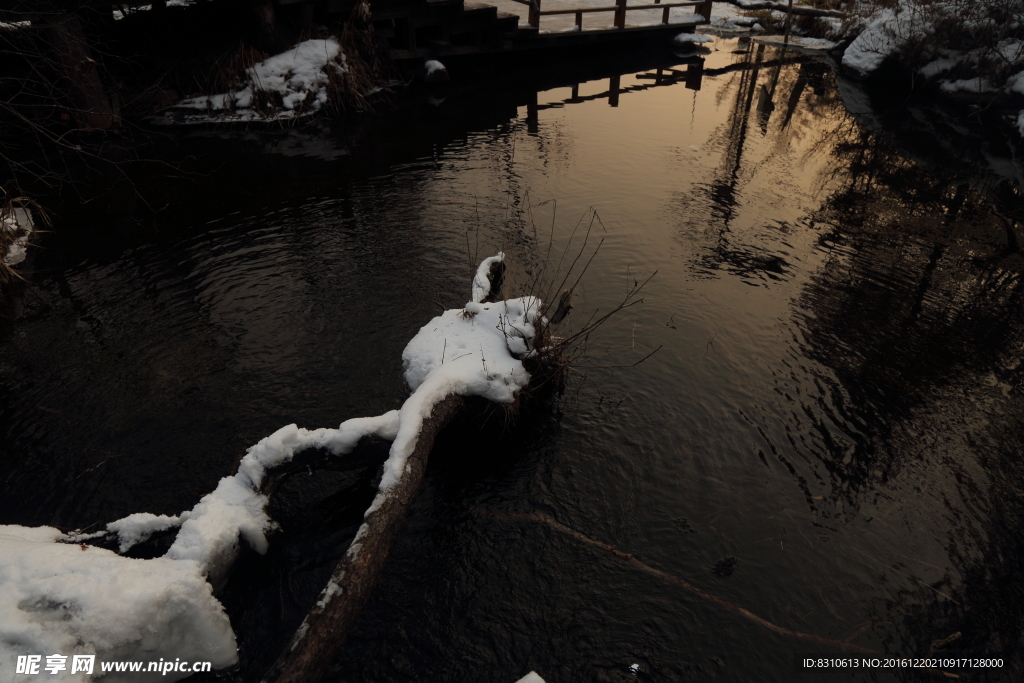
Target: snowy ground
285, 86
888, 31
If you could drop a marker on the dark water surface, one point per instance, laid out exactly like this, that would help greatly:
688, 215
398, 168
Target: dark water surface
828, 437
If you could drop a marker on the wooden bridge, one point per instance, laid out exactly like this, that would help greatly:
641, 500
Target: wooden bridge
425, 29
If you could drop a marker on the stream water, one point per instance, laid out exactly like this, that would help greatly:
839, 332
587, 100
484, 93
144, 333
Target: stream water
828, 435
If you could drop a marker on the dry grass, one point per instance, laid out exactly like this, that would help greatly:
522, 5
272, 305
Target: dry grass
353, 79
560, 340
368, 69
225, 73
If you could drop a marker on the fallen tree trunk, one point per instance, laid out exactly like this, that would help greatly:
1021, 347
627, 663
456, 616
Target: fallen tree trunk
320, 636
322, 633
796, 9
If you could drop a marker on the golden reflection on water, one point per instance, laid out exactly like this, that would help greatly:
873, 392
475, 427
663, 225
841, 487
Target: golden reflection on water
840, 319
835, 403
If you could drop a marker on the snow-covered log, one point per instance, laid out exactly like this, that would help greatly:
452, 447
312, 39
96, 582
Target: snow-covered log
60, 593
321, 635
476, 351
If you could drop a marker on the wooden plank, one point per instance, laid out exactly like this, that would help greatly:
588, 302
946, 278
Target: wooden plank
614, 8
578, 11
667, 5
73, 57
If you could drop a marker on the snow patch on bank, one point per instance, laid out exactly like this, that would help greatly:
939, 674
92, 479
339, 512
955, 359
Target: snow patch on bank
284, 86
70, 599
120, 14
875, 43
889, 31
971, 85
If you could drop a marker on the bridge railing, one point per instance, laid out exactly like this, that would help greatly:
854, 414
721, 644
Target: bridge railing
703, 8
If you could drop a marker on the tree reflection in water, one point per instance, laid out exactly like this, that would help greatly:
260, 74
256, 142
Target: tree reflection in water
919, 313
914, 324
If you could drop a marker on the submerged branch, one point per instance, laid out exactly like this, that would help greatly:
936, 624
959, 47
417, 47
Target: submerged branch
838, 645
323, 632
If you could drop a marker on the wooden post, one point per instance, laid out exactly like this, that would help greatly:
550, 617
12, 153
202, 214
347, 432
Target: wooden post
789, 23
613, 90
318, 640
705, 10
306, 18
532, 121
78, 69
534, 16
271, 35
575, 91
664, 15
694, 74
620, 13
411, 35
579, 20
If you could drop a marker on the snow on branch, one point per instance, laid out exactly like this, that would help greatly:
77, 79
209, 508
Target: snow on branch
59, 595
476, 351
482, 279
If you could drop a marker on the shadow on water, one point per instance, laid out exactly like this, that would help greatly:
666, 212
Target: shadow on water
830, 436
917, 311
